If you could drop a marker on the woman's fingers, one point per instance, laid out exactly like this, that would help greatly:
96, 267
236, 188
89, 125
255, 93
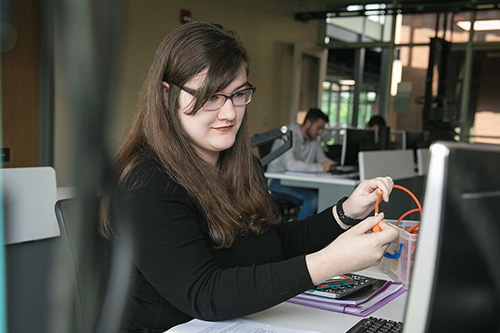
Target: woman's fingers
367, 224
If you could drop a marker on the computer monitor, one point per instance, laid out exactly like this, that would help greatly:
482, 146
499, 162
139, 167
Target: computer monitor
398, 139
354, 141
383, 137
455, 284
334, 152
416, 139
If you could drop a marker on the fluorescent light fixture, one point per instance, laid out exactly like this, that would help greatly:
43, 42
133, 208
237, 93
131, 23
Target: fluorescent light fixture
374, 12
480, 25
354, 8
375, 6
347, 82
397, 70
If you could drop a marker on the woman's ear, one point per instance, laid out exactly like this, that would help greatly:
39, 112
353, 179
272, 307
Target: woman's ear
166, 88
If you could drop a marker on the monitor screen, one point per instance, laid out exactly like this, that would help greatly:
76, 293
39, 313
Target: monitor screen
398, 138
354, 141
416, 139
455, 284
383, 137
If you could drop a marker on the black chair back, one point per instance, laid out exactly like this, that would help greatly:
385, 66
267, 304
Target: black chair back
89, 269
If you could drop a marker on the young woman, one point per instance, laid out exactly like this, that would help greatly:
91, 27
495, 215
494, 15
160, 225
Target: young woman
207, 243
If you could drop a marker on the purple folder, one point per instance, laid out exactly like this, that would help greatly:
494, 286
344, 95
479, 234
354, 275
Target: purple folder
384, 295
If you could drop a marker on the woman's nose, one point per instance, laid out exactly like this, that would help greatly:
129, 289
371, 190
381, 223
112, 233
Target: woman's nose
227, 111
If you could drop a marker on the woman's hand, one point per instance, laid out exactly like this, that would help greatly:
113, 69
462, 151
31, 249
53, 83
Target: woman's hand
362, 200
356, 249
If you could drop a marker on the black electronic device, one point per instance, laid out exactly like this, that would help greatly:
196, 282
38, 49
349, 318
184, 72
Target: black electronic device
341, 286
334, 152
383, 137
455, 284
266, 140
339, 171
354, 141
376, 324
416, 139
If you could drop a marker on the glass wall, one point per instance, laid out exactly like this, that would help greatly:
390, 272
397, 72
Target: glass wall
339, 95
409, 84
485, 21
484, 102
458, 93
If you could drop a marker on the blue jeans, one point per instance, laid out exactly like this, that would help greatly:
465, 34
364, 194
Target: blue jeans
309, 197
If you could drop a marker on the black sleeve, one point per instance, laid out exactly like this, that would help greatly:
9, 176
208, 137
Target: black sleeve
176, 256
309, 235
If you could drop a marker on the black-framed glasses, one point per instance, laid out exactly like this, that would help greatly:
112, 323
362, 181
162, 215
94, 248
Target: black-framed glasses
217, 101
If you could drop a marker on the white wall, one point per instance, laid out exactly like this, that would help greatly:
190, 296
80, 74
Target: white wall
267, 28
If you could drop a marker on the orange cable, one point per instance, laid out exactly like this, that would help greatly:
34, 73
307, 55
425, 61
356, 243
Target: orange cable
405, 214
377, 228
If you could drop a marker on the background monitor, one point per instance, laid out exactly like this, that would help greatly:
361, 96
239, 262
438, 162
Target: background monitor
383, 137
455, 284
354, 141
416, 139
398, 139
334, 152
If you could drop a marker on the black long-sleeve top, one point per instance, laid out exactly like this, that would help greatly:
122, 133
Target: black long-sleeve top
178, 273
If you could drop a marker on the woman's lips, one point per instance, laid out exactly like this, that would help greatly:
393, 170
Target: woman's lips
224, 128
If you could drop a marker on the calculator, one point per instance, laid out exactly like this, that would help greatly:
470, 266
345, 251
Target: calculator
342, 286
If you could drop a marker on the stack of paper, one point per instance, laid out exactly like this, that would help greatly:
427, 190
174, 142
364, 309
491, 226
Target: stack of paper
236, 326
356, 306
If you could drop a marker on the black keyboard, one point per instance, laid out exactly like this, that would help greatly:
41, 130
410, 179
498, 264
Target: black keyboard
338, 172
353, 174
374, 324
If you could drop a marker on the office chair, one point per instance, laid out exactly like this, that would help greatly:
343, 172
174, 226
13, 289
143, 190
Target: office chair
288, 206
84, 319
31, 237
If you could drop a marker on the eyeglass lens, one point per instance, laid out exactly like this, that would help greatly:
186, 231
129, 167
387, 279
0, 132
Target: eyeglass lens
239, 98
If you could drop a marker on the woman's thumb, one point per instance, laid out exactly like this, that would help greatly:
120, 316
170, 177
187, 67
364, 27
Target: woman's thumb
370, 222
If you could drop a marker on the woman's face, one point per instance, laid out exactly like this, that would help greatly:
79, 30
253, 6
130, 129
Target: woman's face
212, 131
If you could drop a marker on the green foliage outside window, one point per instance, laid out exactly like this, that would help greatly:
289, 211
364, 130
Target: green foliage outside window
337, 102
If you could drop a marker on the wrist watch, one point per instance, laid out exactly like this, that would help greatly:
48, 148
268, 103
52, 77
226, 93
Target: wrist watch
343, 216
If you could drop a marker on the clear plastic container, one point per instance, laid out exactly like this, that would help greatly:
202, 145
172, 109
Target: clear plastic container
400, 269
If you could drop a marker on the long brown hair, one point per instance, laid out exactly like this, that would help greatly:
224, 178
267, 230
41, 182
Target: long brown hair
234, 195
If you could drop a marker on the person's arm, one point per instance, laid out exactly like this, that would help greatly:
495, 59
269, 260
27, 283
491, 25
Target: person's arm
300, 237
326, 163
359, 247
174, 253
320, 154
356, 249
290, 163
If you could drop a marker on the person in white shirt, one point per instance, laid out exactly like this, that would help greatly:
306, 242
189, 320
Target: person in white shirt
306, 155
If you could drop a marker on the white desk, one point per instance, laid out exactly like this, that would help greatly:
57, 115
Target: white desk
295, 316
330, 187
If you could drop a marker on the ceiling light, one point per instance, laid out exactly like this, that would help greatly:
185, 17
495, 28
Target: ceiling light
347, 82
480, 25
354, 8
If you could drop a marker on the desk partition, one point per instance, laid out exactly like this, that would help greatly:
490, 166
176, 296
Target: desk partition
379, 163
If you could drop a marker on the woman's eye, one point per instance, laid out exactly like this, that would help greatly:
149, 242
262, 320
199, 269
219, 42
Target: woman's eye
239, 94
213, 98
